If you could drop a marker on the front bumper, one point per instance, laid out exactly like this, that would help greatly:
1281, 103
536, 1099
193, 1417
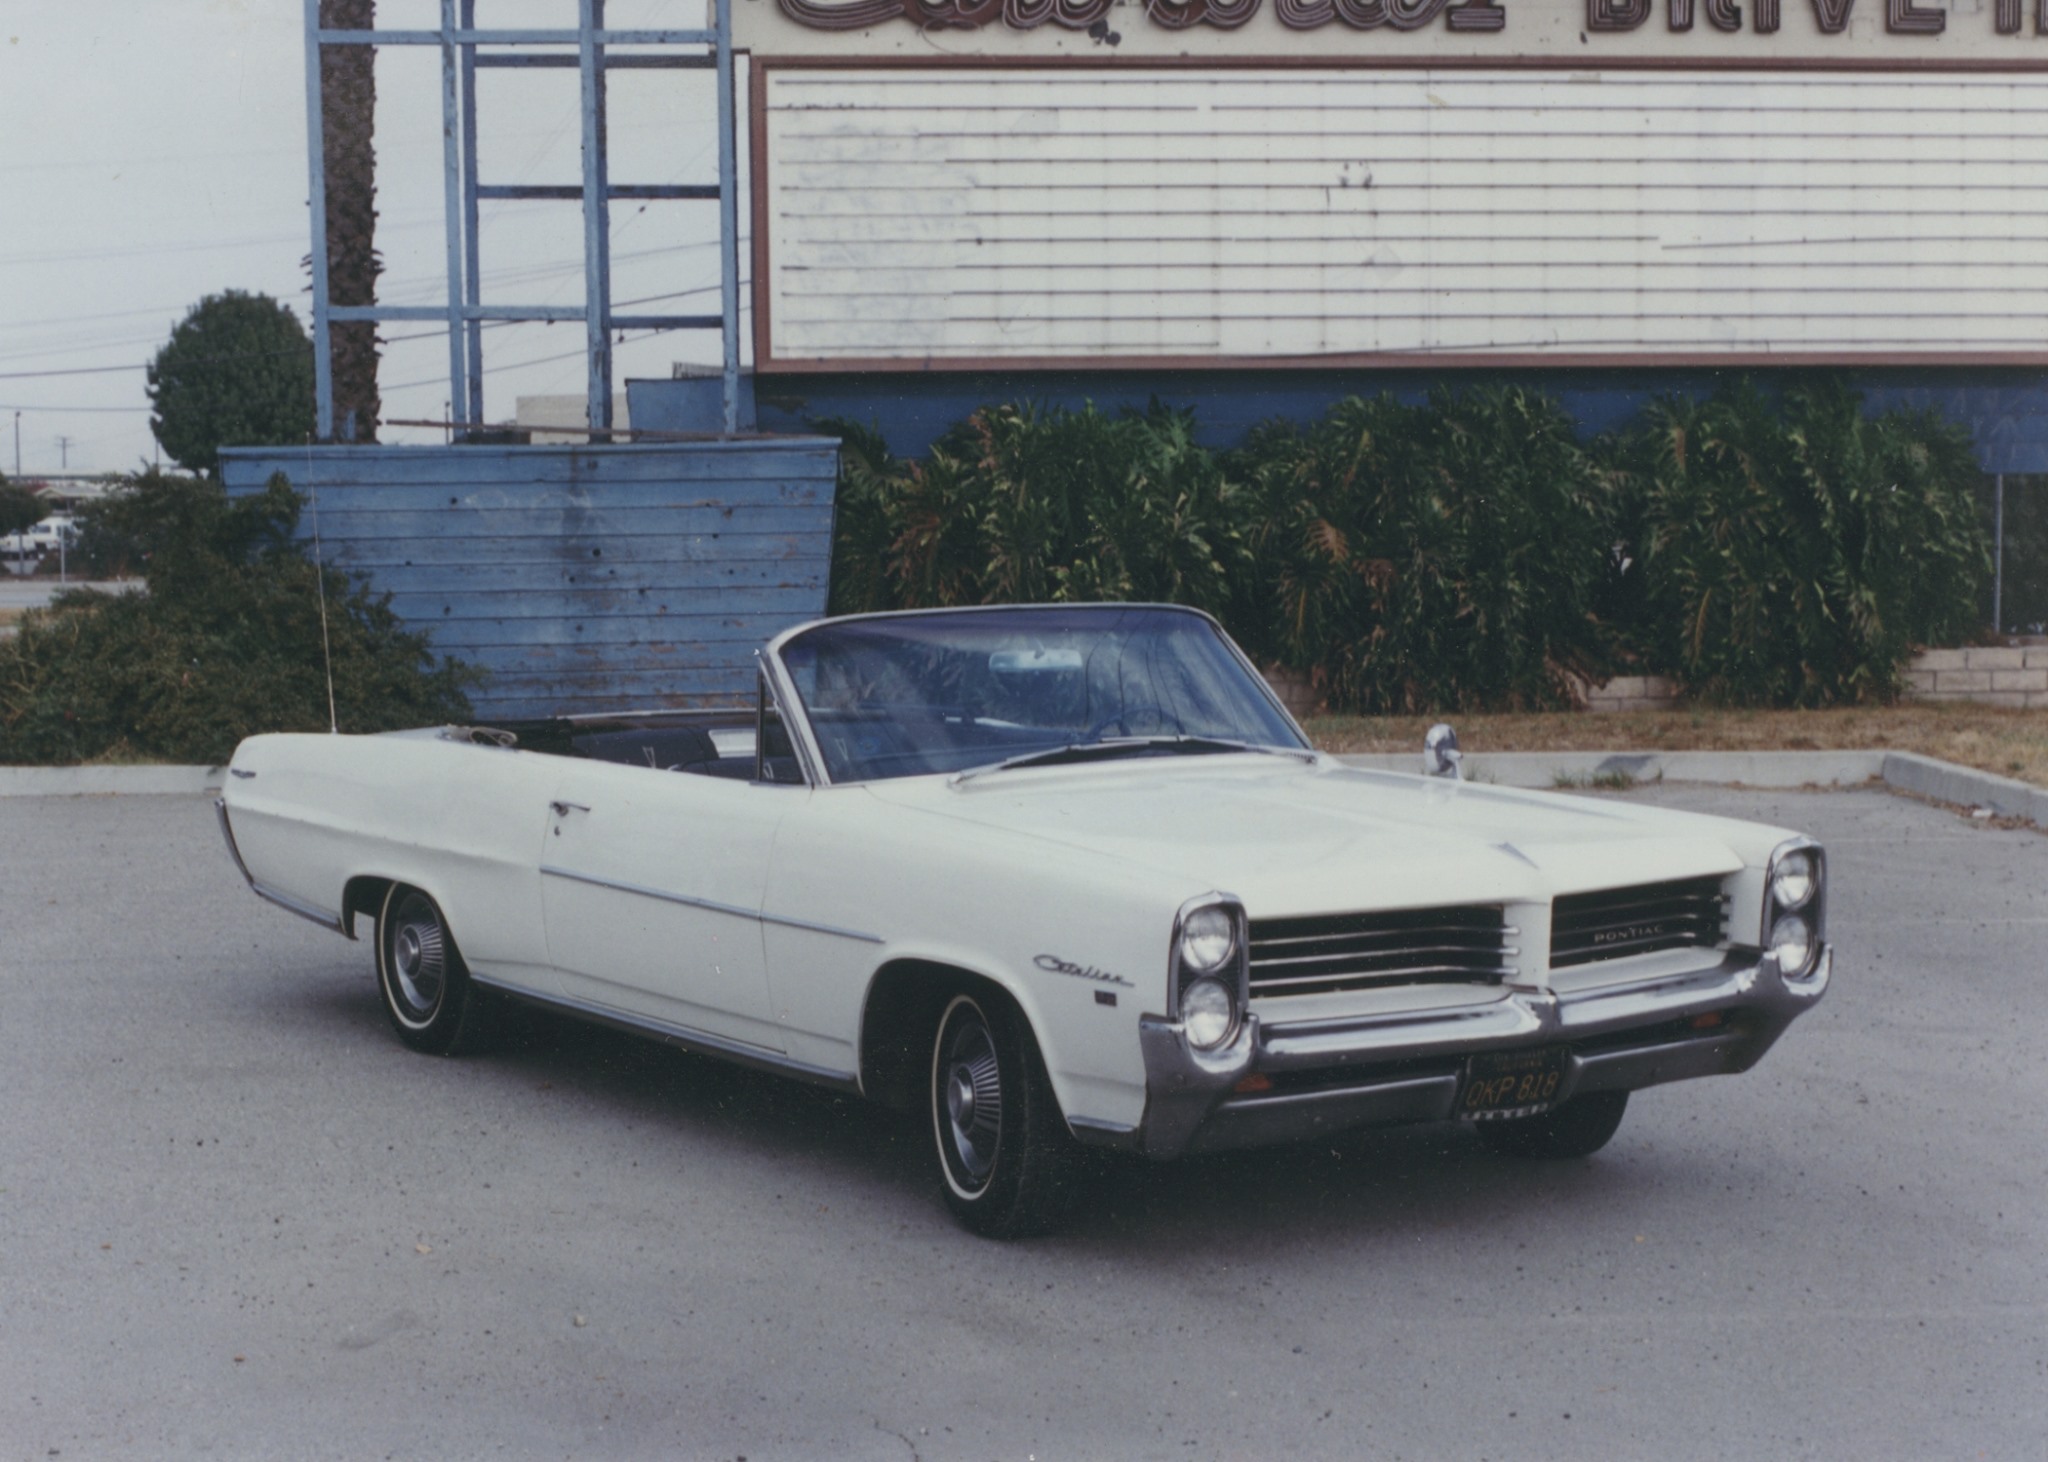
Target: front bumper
1329, 1075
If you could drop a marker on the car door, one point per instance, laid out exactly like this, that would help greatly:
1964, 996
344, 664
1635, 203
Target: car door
651, 887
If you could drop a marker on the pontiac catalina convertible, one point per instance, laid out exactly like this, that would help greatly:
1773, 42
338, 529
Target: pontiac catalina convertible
1059, 876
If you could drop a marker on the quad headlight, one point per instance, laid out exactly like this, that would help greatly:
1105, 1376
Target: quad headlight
1794, 914
1792, 943
1209, 970
1208, 1012
1793, 879
1208, 937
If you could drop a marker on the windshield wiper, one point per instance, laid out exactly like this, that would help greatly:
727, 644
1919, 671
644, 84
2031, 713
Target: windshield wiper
1119, 746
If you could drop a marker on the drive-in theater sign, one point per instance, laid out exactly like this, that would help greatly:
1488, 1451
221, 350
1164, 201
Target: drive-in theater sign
1257, 205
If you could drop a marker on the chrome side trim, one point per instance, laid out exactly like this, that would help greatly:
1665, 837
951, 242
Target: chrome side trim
220, 808
832, 929
711, 904
695, 1041
298, 906
325, 920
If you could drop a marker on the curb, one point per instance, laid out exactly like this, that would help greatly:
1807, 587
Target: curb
1568, 769
1907, 771
154, 781
1946, 782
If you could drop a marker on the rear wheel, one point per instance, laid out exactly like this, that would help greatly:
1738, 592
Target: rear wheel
433, 1004
1574, 1128
1005, 1155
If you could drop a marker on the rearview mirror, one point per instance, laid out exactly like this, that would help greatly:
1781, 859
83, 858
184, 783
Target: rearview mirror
1023, 662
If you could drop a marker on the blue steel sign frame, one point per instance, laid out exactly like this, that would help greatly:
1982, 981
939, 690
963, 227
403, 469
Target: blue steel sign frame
464, 51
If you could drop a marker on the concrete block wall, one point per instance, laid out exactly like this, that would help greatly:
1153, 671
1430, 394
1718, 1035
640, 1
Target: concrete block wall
1632, 693
1994, 675
2015, 676
1296, 691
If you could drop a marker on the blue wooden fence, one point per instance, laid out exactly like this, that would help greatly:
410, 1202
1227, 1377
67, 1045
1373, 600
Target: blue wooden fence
581, 578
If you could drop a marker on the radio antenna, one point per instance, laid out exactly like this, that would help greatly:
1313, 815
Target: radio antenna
320, 580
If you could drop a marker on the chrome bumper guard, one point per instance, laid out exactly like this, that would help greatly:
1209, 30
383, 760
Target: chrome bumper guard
1410, 1063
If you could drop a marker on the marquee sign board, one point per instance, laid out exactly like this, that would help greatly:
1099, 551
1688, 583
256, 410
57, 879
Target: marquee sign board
1827, 32
1171, 184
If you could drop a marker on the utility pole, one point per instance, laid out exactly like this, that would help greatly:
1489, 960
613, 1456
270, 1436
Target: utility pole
17, 444
64, 451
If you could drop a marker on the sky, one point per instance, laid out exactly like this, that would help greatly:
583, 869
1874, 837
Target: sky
153, 152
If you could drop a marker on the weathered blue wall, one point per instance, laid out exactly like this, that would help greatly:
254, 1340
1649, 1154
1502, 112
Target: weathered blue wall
2005, 411
582, 578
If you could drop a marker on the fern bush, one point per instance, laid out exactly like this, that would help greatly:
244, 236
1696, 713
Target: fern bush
1021, 505
1440, 557
1793, 552
1467, 554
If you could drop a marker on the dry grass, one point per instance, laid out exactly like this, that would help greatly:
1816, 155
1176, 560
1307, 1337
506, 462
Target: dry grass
10, 617
2010, 743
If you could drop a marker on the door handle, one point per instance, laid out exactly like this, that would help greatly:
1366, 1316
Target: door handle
563, 809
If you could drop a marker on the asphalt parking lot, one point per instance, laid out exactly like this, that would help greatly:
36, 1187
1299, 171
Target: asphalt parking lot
237, 1219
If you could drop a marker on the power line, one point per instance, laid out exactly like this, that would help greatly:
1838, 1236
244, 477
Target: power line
109, 410
258, 354
81, 371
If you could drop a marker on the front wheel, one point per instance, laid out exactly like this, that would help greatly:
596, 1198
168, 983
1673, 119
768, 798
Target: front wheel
433, 1004
1576, 1128
1004, 1150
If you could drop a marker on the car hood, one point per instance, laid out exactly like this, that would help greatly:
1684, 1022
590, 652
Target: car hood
1292, 838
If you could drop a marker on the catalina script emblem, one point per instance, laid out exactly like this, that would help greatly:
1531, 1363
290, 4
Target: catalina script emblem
1055, 965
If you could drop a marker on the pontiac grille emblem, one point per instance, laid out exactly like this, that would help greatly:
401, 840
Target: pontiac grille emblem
1628, 933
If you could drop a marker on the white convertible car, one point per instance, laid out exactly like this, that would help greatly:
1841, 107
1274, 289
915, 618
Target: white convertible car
1060, 876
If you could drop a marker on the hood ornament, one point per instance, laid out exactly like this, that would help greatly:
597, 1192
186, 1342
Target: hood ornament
1440, 754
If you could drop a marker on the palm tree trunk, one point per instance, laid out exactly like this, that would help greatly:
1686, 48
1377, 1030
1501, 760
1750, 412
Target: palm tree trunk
348, 91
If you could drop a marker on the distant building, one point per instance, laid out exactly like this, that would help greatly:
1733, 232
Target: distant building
568, 413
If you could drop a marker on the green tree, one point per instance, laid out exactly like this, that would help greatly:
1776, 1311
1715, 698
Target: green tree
236, 372
228, 641
19, 508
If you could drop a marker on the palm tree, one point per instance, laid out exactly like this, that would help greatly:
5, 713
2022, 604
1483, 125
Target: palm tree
348, 119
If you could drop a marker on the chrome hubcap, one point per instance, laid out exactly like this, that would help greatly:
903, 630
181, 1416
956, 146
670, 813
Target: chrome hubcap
974, 1100
419, 963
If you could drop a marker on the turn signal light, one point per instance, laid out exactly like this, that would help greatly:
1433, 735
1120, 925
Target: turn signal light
1708, 1021
1257, 1082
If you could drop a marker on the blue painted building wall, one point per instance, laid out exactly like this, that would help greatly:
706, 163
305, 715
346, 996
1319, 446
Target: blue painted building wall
583, 579
2004, 411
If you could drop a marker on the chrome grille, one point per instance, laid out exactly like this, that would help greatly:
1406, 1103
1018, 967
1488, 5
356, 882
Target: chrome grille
1683, 914
1328, 952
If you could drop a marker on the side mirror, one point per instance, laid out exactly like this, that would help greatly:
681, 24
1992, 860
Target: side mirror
1440, 754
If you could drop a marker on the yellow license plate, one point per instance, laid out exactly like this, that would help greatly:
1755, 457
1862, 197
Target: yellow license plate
1512, 1083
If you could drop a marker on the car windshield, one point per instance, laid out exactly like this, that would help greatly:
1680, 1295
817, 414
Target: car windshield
913, 695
